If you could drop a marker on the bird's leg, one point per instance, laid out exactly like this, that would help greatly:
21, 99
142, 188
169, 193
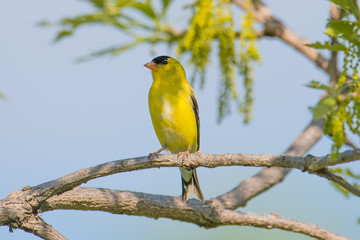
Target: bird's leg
154, 155
184, 155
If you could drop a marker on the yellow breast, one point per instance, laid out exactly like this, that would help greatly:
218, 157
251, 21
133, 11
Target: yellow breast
172, 115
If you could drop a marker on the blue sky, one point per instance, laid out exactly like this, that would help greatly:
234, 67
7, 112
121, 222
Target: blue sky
60, 116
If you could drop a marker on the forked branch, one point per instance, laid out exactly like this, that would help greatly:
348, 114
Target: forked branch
20, 208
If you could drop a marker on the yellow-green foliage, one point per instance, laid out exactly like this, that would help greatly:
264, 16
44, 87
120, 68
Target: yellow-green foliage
249, 56
345, 111
200, 34
210, 26
226, 46
213, 22
341, 108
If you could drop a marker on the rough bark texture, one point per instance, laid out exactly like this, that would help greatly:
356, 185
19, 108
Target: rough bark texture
17, 211
20, 209
209, 215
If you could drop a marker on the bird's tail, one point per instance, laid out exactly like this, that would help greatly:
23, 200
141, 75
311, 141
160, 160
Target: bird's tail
190, 185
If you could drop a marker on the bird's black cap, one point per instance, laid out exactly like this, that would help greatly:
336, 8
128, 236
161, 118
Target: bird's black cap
161, 60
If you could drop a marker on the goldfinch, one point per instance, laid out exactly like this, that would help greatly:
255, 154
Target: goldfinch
175, 116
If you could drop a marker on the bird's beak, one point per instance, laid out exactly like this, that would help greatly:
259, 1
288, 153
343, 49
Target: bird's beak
151, 65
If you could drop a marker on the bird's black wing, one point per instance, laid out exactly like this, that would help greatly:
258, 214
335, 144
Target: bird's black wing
197, 117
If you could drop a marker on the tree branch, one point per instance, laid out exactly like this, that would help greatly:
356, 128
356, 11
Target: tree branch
308, 163
326, 173
17, 212
349, 143
274, 27
209, 215
20, 208
40, 228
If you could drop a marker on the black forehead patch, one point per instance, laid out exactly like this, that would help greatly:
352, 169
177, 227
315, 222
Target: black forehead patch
161, 60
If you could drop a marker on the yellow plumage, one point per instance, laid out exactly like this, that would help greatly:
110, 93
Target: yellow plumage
175, 117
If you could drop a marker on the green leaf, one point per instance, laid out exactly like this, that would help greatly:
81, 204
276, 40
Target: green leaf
96, 3
327, 45
145, 8
325, 106
349, 5
120, 49
354, 8
344, 4
108, 51
340, 29
123, 3
62, 34
317, 45
317, 85
133, 23
351, 174
99, 17
337, 170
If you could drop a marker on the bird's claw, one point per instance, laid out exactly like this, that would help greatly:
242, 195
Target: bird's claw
153, 156
183, 155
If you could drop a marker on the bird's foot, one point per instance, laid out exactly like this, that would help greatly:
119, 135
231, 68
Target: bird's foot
183, 155
154, 155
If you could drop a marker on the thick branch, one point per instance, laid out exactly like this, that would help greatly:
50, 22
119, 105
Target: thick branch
20, 208
209, 215
17, 212
40, 228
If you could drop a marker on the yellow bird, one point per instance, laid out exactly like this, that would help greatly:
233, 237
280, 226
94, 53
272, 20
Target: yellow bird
175, 116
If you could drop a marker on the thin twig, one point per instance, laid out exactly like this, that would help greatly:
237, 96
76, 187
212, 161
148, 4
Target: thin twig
349, 143
326, 173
